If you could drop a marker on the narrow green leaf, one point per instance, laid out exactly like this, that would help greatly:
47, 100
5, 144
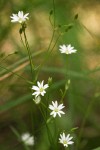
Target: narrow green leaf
11, 104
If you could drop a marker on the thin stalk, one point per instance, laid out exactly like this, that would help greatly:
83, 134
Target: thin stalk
51, 40
26, 147
54, 13
29, 53
32, 120
48, 55
14, 73
52, 24
84, 121
22, 42
48, 130
23, 60
50, 20
55, 42
6, 57
53, 27
62, 98
49, 47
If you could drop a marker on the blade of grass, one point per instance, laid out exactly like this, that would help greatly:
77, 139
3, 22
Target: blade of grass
14, 103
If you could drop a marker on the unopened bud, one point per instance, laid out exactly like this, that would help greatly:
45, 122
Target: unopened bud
49, 80
76, 16
69, 27
37, 100
67, 85
51, 12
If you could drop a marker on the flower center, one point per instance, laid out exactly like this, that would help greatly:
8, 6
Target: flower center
41, 89
56, 109
65, 142
21, 20
67, 51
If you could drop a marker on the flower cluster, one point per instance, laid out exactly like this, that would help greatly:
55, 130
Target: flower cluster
40, 89
56, 109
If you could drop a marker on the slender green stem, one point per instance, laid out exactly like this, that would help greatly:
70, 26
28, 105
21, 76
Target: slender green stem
84, 121
51, 40
53, 27
48, 130
29, 53
32, 120
44, 105
26, 147
54, 14
50, 118
62, 98
14, 73
50, 20
6, 57
50, 44
48, 55
55, 42
22, 42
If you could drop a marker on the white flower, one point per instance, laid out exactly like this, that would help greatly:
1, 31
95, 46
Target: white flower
20, 17
67, 49
37, 100
40, 89
56, 109
27, 139
65, 140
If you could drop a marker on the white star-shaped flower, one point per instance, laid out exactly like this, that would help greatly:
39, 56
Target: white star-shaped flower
20, 17
40, 89
56, 109
65, 140
67, 49
27, 139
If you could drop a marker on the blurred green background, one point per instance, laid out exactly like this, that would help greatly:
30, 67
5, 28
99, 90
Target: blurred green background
83, 68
